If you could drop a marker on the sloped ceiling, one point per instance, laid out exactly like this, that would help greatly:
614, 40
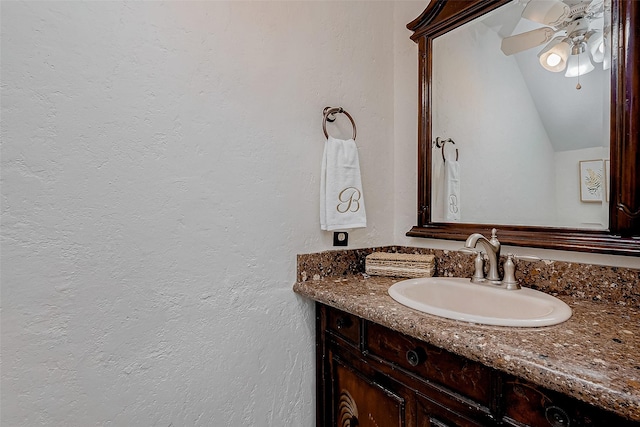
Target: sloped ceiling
574, 119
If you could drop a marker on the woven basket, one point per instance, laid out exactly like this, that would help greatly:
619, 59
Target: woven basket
399, 265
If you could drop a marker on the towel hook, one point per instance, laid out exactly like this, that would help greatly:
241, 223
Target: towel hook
329, 115
440, 143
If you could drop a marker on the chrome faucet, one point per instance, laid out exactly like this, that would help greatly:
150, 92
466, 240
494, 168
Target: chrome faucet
492, 248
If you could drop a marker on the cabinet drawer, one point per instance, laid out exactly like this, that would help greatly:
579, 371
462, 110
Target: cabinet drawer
442, 413
530, 405
463, 376
345, 325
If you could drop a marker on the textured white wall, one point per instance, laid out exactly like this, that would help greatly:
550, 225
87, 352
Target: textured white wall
160, 166
405, 129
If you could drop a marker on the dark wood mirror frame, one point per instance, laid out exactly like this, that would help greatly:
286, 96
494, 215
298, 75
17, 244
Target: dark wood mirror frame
623, 235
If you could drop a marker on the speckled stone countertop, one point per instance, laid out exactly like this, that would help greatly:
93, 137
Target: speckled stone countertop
594, 356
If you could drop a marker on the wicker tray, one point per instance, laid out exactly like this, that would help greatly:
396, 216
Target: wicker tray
399, 265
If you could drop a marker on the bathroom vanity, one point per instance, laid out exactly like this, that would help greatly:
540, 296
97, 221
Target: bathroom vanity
383, 364
372, 375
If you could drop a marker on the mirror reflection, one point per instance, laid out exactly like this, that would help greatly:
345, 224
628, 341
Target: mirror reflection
521, 97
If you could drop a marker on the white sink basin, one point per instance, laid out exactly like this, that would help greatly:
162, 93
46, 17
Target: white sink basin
459, 299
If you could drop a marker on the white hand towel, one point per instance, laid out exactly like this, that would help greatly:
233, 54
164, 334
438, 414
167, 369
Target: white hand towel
341, 196
451, 191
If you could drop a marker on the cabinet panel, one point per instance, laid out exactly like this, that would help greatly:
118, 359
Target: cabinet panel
345, 325
361, 402
470, 379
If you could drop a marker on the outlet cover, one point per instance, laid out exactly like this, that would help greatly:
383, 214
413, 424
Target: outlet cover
340, 238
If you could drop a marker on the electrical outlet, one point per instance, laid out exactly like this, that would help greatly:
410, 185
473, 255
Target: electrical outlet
340, 238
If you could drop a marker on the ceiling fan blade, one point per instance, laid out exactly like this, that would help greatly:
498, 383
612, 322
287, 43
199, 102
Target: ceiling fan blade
547, 12
524, 41
595, 8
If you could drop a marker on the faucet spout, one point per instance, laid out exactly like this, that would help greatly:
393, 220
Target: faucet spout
492, 248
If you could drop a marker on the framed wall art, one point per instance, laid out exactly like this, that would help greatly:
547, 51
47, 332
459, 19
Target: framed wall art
592, 182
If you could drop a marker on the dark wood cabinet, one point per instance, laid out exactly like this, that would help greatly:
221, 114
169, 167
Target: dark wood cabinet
372, 376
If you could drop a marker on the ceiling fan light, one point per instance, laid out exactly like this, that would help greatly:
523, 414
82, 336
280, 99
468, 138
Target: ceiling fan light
606, 38
554, 57
606, 62
597, 54
596, 47
579, 65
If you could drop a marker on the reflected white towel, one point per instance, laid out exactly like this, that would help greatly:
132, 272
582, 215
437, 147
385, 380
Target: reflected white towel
451, 191
437, 214
341, 196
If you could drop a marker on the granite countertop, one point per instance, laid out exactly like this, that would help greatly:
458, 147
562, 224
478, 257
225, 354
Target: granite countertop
594, 356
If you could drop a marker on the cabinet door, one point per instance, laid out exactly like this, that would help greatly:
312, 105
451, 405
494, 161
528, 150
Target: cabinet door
360, 401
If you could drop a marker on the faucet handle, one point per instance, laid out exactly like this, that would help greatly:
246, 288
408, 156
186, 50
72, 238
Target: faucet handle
494, 238
478, 272
509, 280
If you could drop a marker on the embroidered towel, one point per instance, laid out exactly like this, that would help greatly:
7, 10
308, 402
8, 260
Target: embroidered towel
451, 191
341, 197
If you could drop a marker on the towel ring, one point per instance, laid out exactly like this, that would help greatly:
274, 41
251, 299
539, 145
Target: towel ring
440, 143
329, 115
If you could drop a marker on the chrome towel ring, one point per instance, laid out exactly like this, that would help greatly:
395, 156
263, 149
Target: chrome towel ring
329, 115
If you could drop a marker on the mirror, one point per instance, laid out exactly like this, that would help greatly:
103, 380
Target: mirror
532, 125
548, 165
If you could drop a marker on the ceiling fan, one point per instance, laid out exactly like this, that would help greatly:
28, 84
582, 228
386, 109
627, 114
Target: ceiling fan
574, 35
